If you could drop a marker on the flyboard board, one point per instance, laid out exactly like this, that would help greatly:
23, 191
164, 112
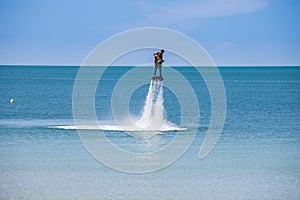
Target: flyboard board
157, 78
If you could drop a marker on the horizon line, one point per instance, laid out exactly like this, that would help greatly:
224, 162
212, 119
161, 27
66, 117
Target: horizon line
76, 65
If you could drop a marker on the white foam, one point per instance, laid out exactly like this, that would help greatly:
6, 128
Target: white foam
152, 118
118, 128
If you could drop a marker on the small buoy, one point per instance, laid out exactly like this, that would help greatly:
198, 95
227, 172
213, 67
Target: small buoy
12, 101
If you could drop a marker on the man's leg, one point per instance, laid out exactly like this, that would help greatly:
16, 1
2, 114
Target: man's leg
160, 72
155, 69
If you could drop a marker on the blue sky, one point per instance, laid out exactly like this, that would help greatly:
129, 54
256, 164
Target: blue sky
234, 32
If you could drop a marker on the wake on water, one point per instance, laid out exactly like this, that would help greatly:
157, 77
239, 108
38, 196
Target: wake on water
152, 118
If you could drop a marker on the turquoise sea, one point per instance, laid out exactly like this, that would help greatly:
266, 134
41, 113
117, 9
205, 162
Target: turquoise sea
256, 157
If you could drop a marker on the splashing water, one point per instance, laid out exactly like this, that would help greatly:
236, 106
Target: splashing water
152, 118
153, 113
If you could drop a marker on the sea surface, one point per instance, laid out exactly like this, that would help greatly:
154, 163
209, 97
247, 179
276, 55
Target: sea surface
257, 155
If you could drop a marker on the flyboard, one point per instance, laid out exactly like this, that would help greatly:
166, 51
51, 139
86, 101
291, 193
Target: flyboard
157, 78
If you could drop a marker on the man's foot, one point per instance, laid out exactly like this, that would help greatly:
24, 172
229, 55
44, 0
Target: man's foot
161, 78
154, 77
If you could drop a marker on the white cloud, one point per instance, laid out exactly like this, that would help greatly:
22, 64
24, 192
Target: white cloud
203, 9
226, 44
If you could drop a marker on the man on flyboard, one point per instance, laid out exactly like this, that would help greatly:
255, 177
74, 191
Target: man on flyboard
158, 60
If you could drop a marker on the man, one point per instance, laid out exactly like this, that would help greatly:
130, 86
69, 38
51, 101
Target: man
158, 60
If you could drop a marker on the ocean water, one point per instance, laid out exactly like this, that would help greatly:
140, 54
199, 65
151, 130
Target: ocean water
256, 157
